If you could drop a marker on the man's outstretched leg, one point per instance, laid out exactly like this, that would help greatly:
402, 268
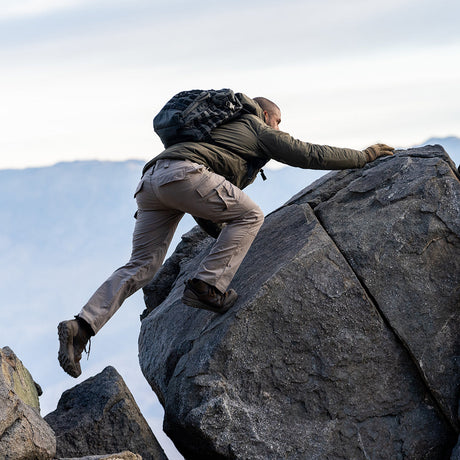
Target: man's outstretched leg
155, 226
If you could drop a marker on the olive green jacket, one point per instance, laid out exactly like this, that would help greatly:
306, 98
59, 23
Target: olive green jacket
240, 148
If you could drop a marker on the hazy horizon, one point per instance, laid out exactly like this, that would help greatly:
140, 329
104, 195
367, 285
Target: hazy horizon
271, 165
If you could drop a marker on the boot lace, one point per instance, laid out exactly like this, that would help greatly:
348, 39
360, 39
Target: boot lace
89, 349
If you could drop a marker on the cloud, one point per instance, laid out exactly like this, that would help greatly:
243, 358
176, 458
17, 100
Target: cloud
249, 34
27, 8
84, 80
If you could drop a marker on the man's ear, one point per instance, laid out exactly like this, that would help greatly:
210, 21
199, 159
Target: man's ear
266, 118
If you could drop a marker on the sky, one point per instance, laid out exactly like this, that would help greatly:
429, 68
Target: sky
83, 79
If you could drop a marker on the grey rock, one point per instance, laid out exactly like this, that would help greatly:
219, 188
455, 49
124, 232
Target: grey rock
398, 226
125, 455
23, 432
100, 416
456, 452
344, 341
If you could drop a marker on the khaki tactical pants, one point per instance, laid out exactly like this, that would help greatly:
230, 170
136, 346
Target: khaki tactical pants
165, 192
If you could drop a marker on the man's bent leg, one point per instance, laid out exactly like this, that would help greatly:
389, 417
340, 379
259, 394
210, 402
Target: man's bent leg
230, 248
208, 195
152, 235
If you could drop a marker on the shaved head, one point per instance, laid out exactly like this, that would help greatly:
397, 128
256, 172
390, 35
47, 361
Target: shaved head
267, 105
272, 112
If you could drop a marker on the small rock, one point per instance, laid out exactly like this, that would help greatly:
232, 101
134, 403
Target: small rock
100, 416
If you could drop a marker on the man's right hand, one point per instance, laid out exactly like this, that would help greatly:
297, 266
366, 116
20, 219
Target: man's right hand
378, 150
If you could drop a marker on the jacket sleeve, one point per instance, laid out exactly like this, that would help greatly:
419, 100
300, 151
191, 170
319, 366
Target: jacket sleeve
284, 148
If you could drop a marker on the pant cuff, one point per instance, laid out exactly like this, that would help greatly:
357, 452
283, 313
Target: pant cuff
93, 330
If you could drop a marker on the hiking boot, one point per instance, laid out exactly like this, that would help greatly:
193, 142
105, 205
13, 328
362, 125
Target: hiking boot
72, 342
199, 294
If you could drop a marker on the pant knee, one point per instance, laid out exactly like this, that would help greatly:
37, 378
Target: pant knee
259, 216
255, 216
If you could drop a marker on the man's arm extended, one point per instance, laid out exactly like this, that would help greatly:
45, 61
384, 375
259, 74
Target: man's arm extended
286, 149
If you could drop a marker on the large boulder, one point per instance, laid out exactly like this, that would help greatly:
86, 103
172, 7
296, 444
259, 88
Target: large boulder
23, 433
344, 342
100, 416
398, 226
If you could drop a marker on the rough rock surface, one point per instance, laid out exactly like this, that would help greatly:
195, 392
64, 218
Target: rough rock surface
100, 416
23, 433
456, 452
125, 455
344, 342
406, 250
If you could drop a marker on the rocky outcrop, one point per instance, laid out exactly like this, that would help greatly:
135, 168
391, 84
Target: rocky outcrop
100, 416
344, 342
23, 433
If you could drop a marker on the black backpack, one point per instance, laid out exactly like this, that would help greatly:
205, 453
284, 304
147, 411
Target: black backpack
192, 115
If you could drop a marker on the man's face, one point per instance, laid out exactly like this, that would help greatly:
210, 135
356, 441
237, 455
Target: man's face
273, 119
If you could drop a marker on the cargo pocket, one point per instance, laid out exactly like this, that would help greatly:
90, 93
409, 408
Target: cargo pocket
138, 188
225, 191
212, 191
206, 186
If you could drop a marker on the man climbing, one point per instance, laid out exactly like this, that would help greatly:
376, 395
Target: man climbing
204, 179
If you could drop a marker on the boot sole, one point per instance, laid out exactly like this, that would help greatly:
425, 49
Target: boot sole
193, 301
66, 350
